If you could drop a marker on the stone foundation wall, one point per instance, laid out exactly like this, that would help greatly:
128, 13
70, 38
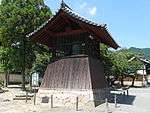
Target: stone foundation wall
63, 97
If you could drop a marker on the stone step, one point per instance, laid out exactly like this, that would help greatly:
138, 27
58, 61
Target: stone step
23, 95
17, 98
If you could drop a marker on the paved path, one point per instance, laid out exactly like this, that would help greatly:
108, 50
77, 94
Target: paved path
142, 100
137, 102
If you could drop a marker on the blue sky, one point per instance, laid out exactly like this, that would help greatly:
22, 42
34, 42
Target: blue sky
127, 20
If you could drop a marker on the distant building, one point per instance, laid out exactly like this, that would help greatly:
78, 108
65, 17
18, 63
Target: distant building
146, 69
147, 65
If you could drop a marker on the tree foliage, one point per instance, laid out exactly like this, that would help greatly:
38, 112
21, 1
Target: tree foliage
107, 58
116, 63
17, 19
42, 60
5, 61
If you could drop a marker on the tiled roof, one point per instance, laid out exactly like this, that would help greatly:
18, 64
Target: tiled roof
141, 59
75, 15
71, 13
145, 60
40, 27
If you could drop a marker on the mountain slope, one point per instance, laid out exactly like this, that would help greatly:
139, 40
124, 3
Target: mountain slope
144, 51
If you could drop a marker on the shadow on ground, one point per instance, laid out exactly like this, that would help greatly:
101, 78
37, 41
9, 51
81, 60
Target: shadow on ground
123, 99
136, 86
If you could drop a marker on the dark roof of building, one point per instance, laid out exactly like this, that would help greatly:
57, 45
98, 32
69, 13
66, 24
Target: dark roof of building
94, 27
146, 61
71, 13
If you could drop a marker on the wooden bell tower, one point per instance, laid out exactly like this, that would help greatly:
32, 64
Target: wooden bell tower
76, 69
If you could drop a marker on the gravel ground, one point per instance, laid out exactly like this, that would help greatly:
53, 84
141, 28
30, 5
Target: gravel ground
136, 102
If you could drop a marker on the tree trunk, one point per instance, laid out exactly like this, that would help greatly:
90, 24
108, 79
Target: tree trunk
24, 64
30, 82
6, 80
133, 81
122, 80
23, 80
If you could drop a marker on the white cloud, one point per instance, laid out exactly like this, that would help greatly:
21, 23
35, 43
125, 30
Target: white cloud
83, 5
92, 11
87, 8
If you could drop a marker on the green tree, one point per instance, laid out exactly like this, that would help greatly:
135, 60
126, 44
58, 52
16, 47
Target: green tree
106, 56
17, 19
42, 60
120, 63
116, 63
6, 63
134, 65
122, 66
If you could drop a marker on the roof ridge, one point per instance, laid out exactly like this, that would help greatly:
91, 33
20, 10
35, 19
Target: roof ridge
63, 5
40, 27
69, 11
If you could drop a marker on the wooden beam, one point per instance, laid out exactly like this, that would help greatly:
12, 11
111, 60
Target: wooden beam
49, 33
65, 19
55, 23
43, 39
100, 32
59, 34
71, 32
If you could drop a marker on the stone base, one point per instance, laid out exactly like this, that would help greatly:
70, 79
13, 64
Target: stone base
62, 97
